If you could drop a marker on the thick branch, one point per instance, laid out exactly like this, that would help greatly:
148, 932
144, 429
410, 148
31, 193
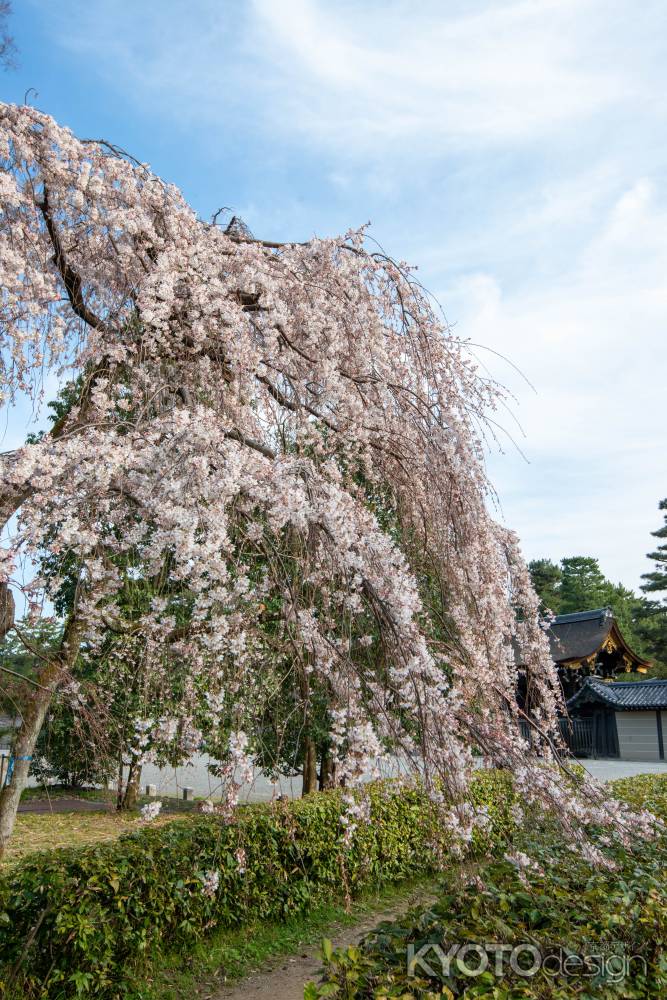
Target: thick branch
71, 279
7, 609
251, 443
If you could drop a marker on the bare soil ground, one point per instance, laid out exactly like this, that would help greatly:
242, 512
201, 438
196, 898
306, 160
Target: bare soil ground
60, 804
286, 978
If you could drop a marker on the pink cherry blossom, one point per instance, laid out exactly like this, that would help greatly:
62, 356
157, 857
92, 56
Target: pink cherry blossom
256, 421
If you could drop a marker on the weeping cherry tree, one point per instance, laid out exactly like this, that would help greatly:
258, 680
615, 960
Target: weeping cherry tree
237, 401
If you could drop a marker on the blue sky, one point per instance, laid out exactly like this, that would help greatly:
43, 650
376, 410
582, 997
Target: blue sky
516, 152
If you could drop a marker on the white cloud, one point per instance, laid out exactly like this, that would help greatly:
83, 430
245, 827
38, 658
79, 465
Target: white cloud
515, 150
593, 343
381, 73
363, 76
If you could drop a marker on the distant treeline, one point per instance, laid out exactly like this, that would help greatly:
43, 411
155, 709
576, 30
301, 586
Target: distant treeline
578, 584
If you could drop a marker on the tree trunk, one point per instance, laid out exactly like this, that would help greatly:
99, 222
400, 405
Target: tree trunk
7, 609
309, 768
326, 771
23, 746
32, 720
119, 782
131, 794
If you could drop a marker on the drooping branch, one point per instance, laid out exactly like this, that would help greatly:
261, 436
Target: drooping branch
12, 497
70, 277
278, 467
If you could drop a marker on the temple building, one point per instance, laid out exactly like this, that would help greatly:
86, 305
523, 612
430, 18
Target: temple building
626, 719
590, 644
607, 717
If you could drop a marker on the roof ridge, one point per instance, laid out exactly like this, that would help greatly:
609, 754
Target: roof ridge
648, 695
647, 680
581, 616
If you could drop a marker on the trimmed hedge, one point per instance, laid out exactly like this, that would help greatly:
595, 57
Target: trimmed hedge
616, 920
79, 921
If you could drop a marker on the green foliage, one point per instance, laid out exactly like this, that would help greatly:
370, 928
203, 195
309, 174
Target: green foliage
288, 719
575, 584
69, 748
651, 626
42, 637
98, 911
578, 584
657, 671
583, 585
562, 903
643, 791
653, 619
656, 580
493, 791
546, 576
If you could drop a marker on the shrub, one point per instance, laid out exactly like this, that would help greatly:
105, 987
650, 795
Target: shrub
644, 791
78, 921
562, 906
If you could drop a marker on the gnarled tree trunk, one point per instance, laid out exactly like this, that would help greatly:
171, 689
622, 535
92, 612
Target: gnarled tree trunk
23, 746
128, 796
32, 719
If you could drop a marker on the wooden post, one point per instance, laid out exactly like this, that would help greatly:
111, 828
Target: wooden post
309, 768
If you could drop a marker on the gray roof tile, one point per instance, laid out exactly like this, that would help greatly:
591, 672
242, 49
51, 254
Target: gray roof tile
622, 695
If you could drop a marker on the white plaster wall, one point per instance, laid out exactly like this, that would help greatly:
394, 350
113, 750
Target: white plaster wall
638, 735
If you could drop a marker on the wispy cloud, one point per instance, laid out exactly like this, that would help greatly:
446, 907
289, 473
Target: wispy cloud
385, 72
516, 150
592, 340
375, 73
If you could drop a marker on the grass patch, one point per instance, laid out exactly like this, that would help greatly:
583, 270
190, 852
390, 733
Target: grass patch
45, 831
228, 956
42, 793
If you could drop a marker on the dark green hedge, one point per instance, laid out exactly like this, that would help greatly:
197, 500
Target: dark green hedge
615, 919
80, 921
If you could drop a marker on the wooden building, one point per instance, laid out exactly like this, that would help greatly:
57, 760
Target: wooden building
607, 717
626, 719
590, 644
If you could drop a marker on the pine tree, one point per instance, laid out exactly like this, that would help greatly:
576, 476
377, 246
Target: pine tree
583, 585
652, 624
656, 580
546, 576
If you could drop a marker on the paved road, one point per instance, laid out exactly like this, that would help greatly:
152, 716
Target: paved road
607, 770
170, 782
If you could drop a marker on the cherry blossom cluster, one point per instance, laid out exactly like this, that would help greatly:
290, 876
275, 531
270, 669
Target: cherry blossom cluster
210, 881
259, 426
151, 811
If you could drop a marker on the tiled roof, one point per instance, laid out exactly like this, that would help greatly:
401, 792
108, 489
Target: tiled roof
622, 695
578, 636
573, 637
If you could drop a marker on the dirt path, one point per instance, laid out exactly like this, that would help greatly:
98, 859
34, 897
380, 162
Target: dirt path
58, 804
285, 978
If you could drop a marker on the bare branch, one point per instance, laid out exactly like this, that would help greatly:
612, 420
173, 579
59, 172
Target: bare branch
71, 279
